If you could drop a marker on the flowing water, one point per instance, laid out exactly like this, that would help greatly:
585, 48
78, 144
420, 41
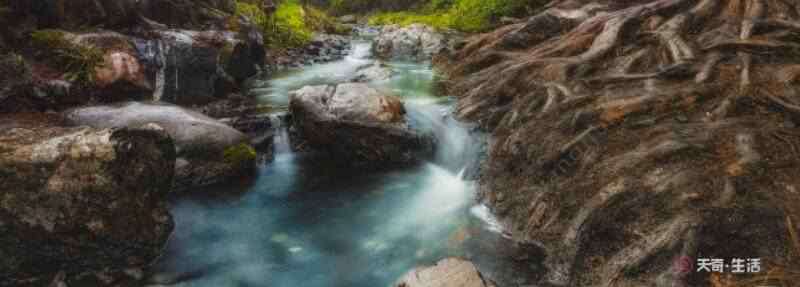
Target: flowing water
304, 223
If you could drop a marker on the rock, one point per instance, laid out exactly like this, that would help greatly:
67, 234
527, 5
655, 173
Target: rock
378, 71
16, 85
81, 199
450, 272
248, 56
509, 20
74, 14
348, 19
415, 42
212, 152
121, 76
357, 125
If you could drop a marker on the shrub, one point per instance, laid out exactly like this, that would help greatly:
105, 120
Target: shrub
285, 28
78, 62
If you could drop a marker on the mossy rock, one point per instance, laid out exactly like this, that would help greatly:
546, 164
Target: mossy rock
78, 62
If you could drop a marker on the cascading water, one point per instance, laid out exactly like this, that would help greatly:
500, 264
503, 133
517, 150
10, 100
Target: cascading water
307, 223
281, 138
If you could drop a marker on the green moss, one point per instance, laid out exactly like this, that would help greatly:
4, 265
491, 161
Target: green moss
318, 20
240, 154
286, 28
463, 15
78, 62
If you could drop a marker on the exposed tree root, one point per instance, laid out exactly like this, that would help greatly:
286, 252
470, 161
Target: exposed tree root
630, 124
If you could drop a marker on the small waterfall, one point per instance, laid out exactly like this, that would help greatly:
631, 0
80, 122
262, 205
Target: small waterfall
281, 140
154, 53
161, 74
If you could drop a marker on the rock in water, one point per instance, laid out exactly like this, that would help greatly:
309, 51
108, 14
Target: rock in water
208, 151
415, 42
378, 71
81, 199
450, 272
357, 124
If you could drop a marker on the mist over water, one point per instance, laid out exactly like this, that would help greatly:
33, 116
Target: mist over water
305, 223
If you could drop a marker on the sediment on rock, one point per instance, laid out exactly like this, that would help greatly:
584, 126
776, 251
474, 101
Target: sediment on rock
624, 131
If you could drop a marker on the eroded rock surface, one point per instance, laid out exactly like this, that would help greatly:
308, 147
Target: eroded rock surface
208, 151
81, 199
358, 124
450, 272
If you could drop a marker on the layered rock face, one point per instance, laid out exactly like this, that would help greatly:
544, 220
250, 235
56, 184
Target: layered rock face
450, 272
357, 124
631, 136
208, 151
123, 13
415, 42
76, 200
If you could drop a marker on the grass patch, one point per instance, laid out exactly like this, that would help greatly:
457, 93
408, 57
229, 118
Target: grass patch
78, 62
462, 15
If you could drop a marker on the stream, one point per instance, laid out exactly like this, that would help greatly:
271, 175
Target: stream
305, 223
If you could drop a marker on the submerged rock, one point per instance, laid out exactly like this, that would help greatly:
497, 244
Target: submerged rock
415, 42
378, 71
208, 151
450, 272
357, 124
81, 199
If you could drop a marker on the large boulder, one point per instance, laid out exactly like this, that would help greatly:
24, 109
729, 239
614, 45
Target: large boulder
357, 124
208, 151
449, 272
80, 200
414, 42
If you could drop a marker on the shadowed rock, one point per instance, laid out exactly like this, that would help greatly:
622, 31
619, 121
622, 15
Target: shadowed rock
81, 199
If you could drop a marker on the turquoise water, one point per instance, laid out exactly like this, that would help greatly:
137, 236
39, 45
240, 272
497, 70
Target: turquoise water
305, 223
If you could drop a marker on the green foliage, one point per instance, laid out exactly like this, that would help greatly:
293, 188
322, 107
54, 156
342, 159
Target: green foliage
318, 20
79, 62
286, 28
240, 154
463, 15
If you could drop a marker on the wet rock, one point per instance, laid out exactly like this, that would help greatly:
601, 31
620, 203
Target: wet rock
190, 69
348, 19
81, 199
450, 272
357, 125
322, 48
208, 151
378, 71
415, 42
